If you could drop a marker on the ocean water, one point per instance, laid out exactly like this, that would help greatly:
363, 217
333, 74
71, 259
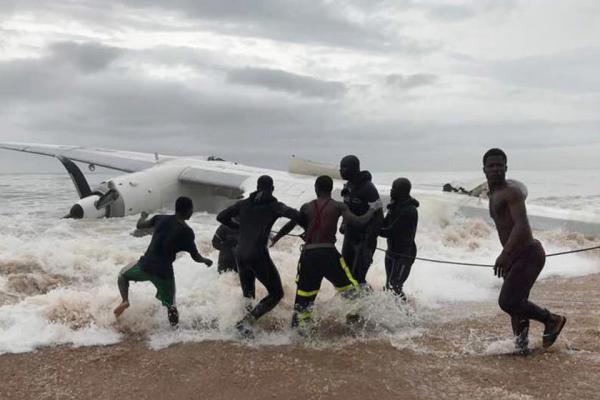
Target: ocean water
58, 276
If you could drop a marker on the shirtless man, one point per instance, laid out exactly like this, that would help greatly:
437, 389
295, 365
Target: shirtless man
319, 258
522, 258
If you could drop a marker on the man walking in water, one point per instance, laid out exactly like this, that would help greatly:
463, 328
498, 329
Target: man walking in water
359, 242
319, 258
522, 257
400, 228
256, 215
171, 235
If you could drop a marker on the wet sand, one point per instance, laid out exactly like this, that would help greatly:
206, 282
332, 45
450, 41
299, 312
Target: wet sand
465, 357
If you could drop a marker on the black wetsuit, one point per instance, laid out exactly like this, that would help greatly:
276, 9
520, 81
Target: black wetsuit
360, 242
400, 227
225, 240
256, 217
525, 266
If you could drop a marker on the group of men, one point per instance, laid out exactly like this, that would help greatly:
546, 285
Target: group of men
243, 242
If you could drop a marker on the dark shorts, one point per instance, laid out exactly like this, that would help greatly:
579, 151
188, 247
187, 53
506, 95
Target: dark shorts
316, 264
165, 287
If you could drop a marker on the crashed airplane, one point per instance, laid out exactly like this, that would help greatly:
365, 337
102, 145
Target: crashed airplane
152, 181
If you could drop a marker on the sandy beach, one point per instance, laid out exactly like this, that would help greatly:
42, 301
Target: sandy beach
464, 358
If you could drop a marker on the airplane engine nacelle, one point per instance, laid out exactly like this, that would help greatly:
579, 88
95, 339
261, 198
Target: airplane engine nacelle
86, 208
151, 189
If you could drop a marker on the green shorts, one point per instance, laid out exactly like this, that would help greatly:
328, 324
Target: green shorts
165, 287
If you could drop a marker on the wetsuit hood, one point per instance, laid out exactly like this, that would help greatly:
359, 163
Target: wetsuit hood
410, 201
261, 197
363, 176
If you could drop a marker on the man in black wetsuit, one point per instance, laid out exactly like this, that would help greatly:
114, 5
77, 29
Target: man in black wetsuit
400, 228
359, 242
319, 258
171, 235
522, 257
225, 240
256, 216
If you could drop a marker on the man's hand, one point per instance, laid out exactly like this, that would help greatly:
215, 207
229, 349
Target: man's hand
273, 238
142, 222
343, 228
501, 266
376, 205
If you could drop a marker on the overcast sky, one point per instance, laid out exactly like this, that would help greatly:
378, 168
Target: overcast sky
405, 84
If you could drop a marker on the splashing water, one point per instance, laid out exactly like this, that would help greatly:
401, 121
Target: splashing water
58, 278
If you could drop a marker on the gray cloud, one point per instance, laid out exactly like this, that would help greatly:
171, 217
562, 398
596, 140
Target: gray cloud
287, 82
410, 81
89, 57
295, 21
569, 71
459, 12
55, 75
91, 93
329, 23
58, 98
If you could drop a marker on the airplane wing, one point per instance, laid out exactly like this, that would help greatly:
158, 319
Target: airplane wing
224, 182
126, 161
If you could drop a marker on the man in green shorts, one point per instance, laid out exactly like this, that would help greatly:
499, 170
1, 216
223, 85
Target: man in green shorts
171, 235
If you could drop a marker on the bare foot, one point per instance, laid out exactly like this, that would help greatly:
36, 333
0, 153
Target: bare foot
120, 308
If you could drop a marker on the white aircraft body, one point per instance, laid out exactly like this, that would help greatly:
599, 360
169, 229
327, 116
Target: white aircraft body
153, 181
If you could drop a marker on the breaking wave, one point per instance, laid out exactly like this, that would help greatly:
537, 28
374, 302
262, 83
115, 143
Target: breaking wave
58, 281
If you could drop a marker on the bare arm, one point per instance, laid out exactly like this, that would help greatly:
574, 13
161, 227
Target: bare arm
291, 213
361, 220
144, 222
287, 228
387, 230
199, 259
196, 256
296, 218
521, 231
352, 219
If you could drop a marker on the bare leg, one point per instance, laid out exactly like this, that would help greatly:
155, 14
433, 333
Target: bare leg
123, 283
120, 308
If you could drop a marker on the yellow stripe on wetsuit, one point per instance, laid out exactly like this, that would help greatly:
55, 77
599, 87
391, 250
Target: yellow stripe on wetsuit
309, 293
348, 273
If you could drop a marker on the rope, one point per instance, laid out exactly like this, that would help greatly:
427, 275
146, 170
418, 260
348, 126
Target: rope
440, 261
467, 264
289, 234
487, 265
573, 251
